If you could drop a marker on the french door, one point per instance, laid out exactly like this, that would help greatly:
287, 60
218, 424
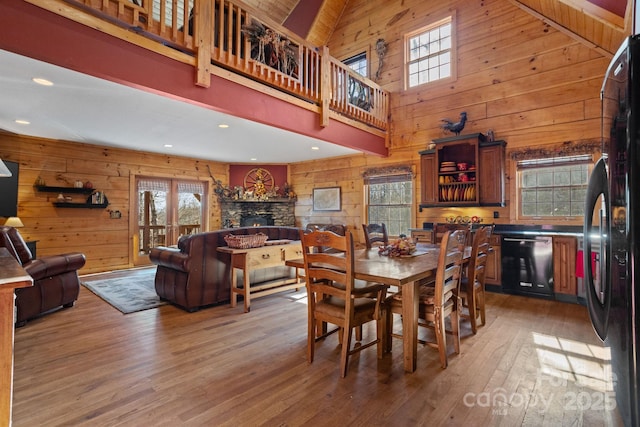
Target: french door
167, 209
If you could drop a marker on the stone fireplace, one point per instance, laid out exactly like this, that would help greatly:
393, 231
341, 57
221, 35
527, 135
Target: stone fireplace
247, 213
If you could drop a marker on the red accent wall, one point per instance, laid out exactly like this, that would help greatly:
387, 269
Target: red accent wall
238, 172
34, 32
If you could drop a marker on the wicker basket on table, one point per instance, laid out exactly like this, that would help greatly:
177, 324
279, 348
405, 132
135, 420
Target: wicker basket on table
246, 241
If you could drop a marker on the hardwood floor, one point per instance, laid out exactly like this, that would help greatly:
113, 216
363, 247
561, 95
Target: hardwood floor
92, 365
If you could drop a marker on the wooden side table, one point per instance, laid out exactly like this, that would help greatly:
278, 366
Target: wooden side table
252, 259
12, 276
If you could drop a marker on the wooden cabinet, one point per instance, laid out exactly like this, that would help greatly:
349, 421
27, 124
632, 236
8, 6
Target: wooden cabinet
564, 265
429, 187
12, 277
491, 173
493, 268
422, 236
463, 170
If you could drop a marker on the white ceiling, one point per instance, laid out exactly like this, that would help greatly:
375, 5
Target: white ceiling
82, 108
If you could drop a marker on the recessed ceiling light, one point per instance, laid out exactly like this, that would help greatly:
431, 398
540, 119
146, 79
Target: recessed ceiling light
315, 148
223, 126
23, 122
41, 81
253, 159
168, 146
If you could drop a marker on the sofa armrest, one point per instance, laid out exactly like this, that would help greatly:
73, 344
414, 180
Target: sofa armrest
170, 258
54, 265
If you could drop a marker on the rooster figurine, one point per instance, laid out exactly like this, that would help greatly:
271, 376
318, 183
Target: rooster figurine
455, 127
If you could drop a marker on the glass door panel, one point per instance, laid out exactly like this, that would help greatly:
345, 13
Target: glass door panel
190, 208
167, 209
153, 200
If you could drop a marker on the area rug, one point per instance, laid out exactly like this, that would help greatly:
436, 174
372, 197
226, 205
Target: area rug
128, 293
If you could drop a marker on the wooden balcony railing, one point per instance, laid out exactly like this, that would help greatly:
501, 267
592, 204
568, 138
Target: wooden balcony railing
232, 36
151, 236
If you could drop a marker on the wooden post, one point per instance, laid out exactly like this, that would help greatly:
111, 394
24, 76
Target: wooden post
203, 18
325, 86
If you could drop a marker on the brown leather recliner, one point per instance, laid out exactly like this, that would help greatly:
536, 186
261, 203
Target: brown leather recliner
55, 278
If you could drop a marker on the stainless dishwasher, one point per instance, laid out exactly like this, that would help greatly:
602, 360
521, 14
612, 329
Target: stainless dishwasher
527, 265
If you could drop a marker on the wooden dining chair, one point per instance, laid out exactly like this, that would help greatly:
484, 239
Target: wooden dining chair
375, 235
439, 229
437, 301
472, 290
333, 297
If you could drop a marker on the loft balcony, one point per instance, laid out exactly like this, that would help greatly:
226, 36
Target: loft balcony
227, 46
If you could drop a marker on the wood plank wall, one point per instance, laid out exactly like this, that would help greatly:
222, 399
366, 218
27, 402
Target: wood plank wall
106, 242
530, 83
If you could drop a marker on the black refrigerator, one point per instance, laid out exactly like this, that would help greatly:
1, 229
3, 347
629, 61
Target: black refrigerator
611, 226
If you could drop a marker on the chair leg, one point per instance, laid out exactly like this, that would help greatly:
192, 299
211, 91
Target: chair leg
311, 338
381, 331
359, 333
441, 338
388, 329
471, 305
455, 327
481, 307
346, 348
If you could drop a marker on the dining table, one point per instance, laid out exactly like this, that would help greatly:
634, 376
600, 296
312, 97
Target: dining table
405, 272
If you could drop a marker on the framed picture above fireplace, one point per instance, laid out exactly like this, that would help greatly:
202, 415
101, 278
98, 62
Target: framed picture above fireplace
326, 199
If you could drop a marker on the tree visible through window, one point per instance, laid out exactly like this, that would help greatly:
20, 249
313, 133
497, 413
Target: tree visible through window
359, 93
553, 187
430, 53
390, 201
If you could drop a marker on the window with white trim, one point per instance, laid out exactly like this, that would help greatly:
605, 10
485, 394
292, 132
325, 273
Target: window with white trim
389, 200
553, 187
358, 63
430, 53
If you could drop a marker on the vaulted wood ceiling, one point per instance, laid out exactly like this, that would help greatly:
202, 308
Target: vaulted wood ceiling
597, 23
594, 22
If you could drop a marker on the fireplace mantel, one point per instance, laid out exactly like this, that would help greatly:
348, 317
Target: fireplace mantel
278, 212
282, 200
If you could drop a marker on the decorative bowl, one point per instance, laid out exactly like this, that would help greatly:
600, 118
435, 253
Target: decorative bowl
462, 166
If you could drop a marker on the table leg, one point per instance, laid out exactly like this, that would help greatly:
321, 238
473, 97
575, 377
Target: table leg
410, 325
234, 295
247, 291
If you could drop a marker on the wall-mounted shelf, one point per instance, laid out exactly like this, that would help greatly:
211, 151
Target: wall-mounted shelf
76, 190
80, 205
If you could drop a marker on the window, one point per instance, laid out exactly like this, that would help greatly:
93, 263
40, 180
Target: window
430, 53
358, 63
390, 201
359, 94
553, 187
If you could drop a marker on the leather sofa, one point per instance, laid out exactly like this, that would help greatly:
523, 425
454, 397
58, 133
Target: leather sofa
55, 278
196, 275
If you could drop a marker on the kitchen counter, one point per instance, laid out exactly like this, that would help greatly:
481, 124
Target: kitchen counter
539, 230
523, 229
